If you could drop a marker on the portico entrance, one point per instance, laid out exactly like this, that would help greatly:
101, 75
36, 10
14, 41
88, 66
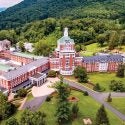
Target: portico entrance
38, 79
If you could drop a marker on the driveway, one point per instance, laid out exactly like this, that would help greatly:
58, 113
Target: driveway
99, 97
40, 94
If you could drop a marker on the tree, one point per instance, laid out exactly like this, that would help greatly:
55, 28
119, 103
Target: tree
77, 48
6, 108
97, 87
81, 74
42, 48
113, 40
117, 86
22, 92
52, 73
12, 121
121, 71
21, 46
75, 110
63, 112
109, 99
101, 117
101, 39
32, 118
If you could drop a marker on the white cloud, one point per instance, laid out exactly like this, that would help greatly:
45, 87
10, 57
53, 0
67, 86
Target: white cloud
8, 3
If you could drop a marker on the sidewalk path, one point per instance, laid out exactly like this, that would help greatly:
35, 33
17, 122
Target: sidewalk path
40, 94
99, 97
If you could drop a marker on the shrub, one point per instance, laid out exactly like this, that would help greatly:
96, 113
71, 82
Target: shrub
117, 86
109, 99
52, 73
22, 92
48, 99
85, 93
98, 88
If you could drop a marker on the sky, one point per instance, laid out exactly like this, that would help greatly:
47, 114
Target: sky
8, 3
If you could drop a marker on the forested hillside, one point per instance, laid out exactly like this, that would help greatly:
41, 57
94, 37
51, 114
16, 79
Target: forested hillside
42, 21
30, 10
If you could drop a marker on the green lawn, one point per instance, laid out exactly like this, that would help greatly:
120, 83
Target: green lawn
90, 49
88, 108
104, 79
29, 97
119, 104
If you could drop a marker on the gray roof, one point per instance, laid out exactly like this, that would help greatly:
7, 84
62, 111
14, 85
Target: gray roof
103, 58
24, 69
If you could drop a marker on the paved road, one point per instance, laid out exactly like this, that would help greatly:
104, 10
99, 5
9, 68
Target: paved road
35, 103
99, 97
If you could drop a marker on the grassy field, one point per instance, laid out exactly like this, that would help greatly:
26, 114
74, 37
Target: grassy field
119, 104
104, 79
88, 108
90, 49
29, 97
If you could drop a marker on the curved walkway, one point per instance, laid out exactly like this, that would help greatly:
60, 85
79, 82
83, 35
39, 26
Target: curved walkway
42, 92
99, 97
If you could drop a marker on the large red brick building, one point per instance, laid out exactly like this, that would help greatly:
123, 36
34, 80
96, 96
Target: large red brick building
28, 67
63, 60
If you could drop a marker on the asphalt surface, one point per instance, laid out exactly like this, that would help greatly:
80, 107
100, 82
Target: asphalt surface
99, 97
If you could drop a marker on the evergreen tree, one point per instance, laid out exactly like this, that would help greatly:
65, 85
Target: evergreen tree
97, 87
75, 110
109, 99
101, 117
63, 112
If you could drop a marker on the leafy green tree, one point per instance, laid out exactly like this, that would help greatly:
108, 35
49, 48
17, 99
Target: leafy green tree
42, 48
12, 121
101, 117
52, 73
81, 74
22, 92
101, 39
21, 46
75, 110
6, 108
113, 40
63, 112
121, 71
32, 118
77, 48
117, 86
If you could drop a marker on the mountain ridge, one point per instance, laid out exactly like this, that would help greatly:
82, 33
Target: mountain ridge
32, 10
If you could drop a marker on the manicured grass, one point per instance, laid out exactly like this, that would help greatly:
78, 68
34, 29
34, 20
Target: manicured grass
104, 79
87, 108
29, 97
119, 104
90, 49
